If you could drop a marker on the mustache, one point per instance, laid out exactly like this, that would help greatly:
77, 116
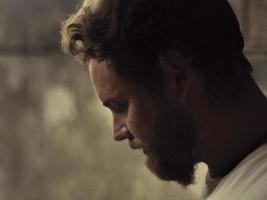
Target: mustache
136, 143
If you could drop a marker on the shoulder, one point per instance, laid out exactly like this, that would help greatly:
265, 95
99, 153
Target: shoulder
247, 181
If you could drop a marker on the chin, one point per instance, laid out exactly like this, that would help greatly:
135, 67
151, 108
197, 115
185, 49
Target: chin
171, 170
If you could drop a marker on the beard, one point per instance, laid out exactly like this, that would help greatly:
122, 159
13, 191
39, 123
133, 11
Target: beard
170, 149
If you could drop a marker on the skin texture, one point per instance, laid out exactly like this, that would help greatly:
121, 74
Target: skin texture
209, 109
184, 124
166, 132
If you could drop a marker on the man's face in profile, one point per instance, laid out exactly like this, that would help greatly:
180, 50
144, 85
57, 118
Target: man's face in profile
164, 128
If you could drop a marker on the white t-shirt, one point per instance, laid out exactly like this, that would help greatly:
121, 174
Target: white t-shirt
247, 181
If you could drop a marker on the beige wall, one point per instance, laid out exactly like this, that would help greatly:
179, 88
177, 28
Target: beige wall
55, 140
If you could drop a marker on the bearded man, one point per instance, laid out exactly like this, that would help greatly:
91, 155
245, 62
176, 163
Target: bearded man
174, 75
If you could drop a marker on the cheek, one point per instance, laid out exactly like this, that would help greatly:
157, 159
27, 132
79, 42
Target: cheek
141, 121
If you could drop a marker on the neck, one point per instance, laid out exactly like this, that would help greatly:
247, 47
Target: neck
235, 129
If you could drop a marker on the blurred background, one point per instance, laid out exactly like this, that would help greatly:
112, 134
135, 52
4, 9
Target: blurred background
55, 138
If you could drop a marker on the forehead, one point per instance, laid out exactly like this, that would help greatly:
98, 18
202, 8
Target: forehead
106, 82
100, 74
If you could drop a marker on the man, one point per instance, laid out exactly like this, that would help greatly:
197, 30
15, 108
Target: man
175, 78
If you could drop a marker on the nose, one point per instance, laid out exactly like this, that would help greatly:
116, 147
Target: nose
121, 134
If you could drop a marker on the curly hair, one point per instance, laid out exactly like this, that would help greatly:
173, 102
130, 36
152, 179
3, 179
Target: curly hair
131, 35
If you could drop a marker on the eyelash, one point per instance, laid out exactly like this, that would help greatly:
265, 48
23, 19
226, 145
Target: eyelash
118, 107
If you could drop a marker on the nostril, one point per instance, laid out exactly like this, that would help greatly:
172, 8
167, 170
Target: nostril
131, 137
121, 134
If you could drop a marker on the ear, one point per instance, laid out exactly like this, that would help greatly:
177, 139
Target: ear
176, 66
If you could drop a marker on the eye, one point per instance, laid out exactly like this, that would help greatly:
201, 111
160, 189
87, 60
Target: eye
120, 107
117, 107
